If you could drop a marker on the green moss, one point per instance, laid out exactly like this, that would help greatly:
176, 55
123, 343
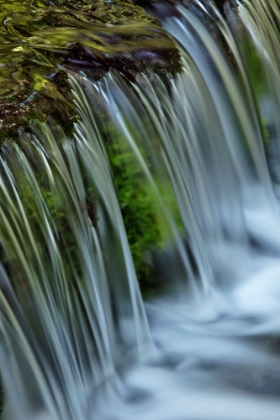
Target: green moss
137, 208
41, 37
141, 200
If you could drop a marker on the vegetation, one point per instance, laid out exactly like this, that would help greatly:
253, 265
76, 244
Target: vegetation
137, 206
43, 40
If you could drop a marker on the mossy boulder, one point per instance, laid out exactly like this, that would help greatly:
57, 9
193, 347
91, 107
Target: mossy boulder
43, 40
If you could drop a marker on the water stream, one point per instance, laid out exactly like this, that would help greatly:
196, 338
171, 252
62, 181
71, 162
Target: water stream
78, 341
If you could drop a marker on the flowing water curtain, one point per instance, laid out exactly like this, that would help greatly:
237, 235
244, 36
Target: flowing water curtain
50, 335
261, 43
231, 93
203, 133
138, 135
70, 302
234, 164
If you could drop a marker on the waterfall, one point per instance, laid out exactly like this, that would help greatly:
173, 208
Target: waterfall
77, 339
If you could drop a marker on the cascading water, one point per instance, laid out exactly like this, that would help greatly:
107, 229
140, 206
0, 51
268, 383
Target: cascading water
77, 341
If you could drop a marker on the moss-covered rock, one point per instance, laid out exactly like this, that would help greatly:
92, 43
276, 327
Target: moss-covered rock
43, 40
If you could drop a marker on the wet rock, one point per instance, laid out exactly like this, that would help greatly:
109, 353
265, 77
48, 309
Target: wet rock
40, 44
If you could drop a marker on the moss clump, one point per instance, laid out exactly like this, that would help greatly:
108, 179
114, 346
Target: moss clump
141, 198
42, 39
137, 209
52, 99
